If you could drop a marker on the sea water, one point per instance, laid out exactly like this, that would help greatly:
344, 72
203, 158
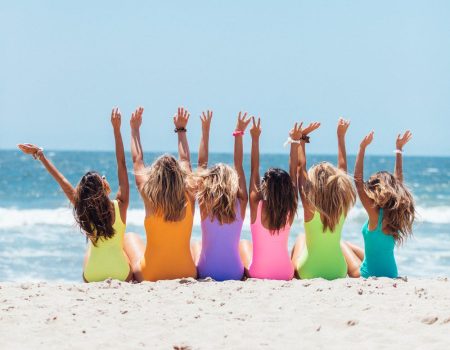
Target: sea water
40, 241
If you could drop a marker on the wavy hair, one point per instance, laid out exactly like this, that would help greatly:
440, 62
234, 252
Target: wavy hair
331, 192
280, 196
165, 188
217, 191
92, 208
397, 202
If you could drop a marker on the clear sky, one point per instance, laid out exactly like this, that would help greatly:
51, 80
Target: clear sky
383, 64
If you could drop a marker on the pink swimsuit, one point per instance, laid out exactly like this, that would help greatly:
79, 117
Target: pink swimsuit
271, 258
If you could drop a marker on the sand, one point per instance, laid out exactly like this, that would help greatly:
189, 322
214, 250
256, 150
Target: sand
189, 314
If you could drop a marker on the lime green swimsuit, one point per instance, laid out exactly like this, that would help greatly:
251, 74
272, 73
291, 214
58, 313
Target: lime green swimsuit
107, 259
322, 256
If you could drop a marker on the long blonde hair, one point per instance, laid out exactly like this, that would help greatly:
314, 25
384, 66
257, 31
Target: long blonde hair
331, 192
397, 202
165, 188
217, 191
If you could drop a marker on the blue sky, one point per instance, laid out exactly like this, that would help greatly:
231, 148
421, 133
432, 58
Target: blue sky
382, 64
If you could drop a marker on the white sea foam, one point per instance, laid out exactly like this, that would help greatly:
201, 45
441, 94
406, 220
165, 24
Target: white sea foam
20, 218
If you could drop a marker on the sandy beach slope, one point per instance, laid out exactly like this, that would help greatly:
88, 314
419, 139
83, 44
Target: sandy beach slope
186, 314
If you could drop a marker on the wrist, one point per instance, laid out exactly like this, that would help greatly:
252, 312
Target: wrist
180, 129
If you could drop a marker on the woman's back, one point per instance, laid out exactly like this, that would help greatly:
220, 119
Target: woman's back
271, 258
220, 257
107, 259
167, 253
322, 257
379, 259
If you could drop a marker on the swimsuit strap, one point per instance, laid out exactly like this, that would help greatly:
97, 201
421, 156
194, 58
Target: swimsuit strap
380, 219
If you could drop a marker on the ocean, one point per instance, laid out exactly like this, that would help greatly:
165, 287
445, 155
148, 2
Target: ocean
39, 240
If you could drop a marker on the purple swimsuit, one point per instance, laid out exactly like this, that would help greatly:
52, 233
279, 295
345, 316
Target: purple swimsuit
220, 257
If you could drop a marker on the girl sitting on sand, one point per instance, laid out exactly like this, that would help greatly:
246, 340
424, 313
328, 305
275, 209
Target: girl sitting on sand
102, 220
273, 205
327, 195
390, 207
169, 209
222, 195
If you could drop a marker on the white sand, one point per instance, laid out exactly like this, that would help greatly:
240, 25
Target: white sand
346, 313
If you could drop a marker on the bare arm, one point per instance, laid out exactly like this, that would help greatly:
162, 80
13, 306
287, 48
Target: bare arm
203, 151
342, 154
37, 153
242, 124
359, 180
137, 154
401, 141
123, 192
180, 120
295, 135
302, 172
255, 132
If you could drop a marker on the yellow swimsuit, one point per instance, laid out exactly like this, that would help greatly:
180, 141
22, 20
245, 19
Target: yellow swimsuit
107, 259
168, 253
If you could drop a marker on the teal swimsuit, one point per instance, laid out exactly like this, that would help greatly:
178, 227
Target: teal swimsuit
379, 260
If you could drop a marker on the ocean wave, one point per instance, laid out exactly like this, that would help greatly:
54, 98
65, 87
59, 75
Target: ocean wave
11, 218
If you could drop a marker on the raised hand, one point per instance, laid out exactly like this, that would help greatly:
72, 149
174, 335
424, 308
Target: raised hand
255, 130
116, 118
181, 118
296, 132
136, 118
242, 122
29, 148
206, 118
403, 140
342, 127
310, 128
367, 140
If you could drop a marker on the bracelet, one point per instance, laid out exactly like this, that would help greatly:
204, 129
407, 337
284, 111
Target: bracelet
290, 140
38, 154
397, 151
238, 133
181, 129
305, 138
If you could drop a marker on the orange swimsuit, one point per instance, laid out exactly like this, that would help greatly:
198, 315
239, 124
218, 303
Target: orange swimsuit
168, 252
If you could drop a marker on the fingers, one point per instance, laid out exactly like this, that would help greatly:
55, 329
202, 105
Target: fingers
259, 123
253, 122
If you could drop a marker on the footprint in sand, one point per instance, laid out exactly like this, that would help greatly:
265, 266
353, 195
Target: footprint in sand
430, 320
352, 323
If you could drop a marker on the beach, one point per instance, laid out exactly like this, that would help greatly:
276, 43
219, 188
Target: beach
255, 314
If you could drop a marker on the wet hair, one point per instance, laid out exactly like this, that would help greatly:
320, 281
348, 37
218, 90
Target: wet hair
397, 202
331, 192
217, 191
165, 188
92, 208
280, 197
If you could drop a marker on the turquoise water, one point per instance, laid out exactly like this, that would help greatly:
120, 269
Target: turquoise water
39, 240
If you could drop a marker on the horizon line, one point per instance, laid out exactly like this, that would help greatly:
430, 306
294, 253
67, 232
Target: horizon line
231, 153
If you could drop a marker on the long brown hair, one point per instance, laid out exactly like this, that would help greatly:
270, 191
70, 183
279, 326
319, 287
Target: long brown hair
92, 208
280, 197
331, 192
217, 191
397, 203
165, 188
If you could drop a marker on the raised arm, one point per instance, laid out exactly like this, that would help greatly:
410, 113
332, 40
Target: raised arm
401, 141
342, 154
38, 154
295, 136
302, 172
238, 134
203, 150
137, 154
180, 120
123, 192
255, 133
359, 179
